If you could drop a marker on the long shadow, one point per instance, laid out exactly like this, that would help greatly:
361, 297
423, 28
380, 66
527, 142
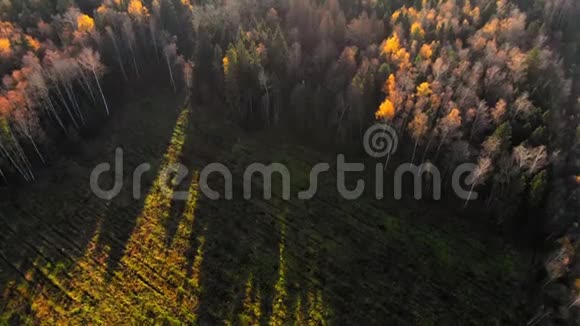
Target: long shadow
235, 247
339, 255
149, 143
260, 267
48, 226
255, 270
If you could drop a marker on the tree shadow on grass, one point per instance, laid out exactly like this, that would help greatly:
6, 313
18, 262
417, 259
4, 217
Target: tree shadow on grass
252, 273
236, 247
49, 226
150, 142
350, 262
256, 271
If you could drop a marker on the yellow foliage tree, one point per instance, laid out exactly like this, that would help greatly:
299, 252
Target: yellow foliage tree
136, 9
5, 48
187, 3
85, 23
417, 31
386, 110
393, 94
404, 59
395, 16
390, 86
424, 89
226, 64
391, 45
412, 13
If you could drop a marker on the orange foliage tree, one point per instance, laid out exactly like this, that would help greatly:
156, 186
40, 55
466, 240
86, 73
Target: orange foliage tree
5, 47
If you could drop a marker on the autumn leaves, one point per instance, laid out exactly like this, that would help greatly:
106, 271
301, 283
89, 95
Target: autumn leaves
465, 89
53, 72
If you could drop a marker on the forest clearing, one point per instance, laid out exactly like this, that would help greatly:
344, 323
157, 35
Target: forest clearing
68, 256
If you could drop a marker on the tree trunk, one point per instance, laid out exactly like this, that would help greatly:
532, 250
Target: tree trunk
73, 102
63, 100
474, 124
154, 38
170, 72
88, 87
134, 61
533, 167
3, 177
470, 192
119, 58
340, 119
54, 113
439, 147
36, 148
7, 154
22, 155
101, 90
387, 161
414, 150
426, 150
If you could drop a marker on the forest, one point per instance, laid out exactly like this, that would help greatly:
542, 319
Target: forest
492, 83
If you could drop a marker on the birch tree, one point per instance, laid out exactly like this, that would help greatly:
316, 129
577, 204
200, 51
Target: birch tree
25, 119
170, 53
91, 61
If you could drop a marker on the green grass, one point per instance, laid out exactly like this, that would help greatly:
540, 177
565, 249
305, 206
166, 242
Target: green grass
69, 257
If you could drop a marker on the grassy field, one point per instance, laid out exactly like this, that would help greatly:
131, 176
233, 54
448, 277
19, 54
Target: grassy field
68, 257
